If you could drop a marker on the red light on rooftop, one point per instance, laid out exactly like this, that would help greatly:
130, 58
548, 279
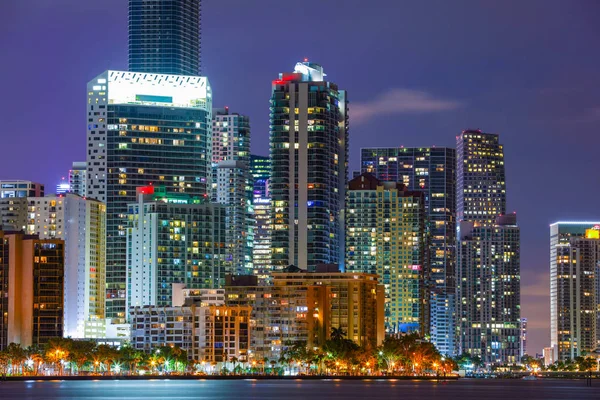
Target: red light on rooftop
305, 59
145, 190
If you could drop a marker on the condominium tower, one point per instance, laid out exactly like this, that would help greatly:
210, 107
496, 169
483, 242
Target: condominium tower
309, 153
574, 291
385, 235
260, 169
164, 36
432, 171
143, 129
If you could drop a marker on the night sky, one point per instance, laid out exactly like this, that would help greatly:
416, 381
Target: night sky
417, 74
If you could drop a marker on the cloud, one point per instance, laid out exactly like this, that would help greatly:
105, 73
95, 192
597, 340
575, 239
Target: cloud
400, 101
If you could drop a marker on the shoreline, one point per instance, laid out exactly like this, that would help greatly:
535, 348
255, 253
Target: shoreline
222, 377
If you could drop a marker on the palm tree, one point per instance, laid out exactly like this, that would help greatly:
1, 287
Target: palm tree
81, 352
36, 355
17, 357
337, 334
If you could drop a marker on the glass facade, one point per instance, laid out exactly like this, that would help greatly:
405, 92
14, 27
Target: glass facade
431, 170
385, 235
260, 169
133, 143
164, 36
309, 152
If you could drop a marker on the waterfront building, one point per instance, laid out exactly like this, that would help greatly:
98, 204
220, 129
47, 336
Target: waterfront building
260, 169
173, 239
209, 334
523, 337
31, 289
432, 171
385, 235
574, 261
488, 290
309, 155
81, 224
164, 36
305, 307
143, 129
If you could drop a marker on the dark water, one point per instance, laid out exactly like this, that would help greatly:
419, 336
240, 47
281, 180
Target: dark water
309, 389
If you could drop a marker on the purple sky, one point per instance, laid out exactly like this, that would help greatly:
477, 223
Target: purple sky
417, 73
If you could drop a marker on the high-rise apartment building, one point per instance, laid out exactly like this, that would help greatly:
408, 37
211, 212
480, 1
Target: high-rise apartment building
81, 224
488, 290
523, 337
164, 36
143, 129
480, 177
78, 178
173, 238
385, 235
574, 262
20, 189
232, 183
304, 307
309, 174
31, 291
431, 170
260, 169
13, 203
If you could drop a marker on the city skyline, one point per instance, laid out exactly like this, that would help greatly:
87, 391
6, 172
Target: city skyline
545, 98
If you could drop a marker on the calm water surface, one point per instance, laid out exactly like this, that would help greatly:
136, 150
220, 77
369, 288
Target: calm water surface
324, 389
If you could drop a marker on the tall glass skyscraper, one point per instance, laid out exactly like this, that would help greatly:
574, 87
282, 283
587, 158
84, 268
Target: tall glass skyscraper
480, 177
260, 169
164, 36
309, 152
432, 171
143, 129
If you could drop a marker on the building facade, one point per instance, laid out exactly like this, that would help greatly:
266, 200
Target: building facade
13, 203
574, 261
480, 177
304, 307
173, 239
209, 334
488, 290
431, 170
143, 129
309, 174
164, 36
385, 235
31, 274
260, 169
20, 188
78, 178
81, 224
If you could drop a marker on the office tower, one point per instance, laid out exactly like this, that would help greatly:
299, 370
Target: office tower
31, 275
488, 290
309, 154
78, 178
431, 170
164, 36
13, 203
143, 129
81, 224
260, 169
385, 235
480, 178
232, 183
574, 261
209, 334
63, 187
305, 307
173, 238
523, 337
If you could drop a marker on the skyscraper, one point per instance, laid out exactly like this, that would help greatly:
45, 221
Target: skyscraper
173, 238
260, 169
488, 290
385, 235
143, 129
164, 36
232, 183
81, 224
432, 171
574, 261
309, 153
480, 177
13, 203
